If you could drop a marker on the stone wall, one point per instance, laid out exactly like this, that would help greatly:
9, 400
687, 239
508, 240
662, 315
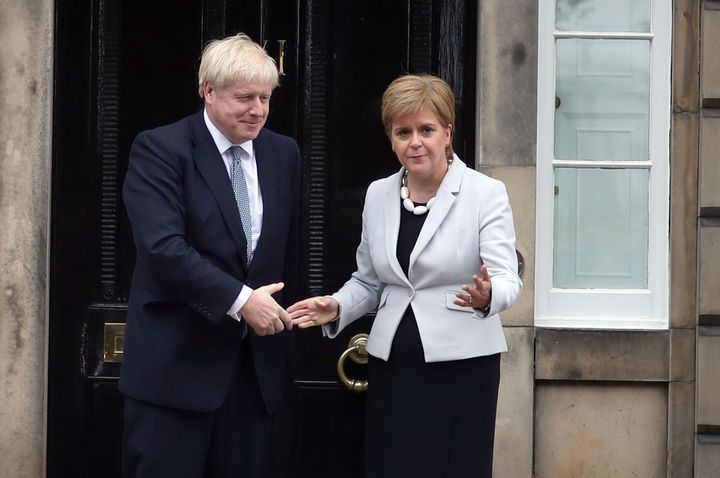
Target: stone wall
506, 138
606, 403
26, 59
707, 445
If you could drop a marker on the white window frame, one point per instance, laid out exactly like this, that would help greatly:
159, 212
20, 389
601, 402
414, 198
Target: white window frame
606, 308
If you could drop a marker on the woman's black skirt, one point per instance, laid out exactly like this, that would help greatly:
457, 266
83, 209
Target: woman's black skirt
430, 419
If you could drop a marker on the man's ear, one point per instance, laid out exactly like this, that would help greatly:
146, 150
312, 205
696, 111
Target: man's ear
208, 91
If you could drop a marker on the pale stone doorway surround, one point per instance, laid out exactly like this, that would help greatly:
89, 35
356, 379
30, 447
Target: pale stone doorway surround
26, 69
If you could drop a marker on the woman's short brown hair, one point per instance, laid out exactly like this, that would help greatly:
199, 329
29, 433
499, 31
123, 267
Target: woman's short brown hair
412, 93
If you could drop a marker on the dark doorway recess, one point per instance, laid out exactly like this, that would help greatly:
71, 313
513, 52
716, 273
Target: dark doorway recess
125, 66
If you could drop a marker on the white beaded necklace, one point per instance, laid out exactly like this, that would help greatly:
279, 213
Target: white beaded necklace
408, 204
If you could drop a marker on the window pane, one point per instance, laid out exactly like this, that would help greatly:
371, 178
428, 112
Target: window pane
601, 229
603, 91
603, 15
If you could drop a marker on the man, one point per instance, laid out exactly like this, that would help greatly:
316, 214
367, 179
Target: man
213, 202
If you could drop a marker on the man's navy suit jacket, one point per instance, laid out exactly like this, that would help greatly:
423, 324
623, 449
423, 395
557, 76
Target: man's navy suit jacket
180, 346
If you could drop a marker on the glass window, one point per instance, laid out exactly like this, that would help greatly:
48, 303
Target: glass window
603, 163
603, 15
603, 92
601, 229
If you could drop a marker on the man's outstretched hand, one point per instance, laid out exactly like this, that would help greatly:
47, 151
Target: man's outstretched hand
263, 314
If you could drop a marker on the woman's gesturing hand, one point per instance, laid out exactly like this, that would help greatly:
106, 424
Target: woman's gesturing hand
314, 311
479, 294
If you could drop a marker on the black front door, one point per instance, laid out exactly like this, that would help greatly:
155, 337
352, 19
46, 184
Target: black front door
125, 66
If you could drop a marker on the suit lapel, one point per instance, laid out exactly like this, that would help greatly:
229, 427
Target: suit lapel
268, 181
211, 167
444, 201
391, 209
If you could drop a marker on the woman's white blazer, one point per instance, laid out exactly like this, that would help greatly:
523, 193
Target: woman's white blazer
469, 224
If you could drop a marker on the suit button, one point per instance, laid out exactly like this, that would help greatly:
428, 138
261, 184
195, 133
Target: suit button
411, 294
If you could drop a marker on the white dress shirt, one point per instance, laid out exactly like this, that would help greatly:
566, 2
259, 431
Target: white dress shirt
249, 166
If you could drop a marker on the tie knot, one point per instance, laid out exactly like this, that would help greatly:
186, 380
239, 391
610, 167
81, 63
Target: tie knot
238, 152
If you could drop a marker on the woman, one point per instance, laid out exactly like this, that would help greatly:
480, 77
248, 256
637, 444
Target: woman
437, 261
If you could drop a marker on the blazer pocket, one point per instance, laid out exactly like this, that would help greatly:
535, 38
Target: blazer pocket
450, 297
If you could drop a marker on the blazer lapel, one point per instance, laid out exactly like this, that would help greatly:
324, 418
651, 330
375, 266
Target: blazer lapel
391, 209
210, 164
444, 201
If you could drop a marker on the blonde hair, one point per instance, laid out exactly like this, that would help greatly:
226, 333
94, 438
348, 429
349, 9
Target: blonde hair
236, 58
412, 93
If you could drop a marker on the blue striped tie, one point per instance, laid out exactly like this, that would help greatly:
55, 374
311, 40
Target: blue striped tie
237, 176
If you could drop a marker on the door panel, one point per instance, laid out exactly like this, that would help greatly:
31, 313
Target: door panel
122, 67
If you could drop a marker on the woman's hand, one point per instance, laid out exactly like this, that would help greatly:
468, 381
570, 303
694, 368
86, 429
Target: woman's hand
314, 311
479, 295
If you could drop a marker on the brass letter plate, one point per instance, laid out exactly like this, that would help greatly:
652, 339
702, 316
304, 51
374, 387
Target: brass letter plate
114, 343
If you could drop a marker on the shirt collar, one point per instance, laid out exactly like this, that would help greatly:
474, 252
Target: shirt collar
221, 142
